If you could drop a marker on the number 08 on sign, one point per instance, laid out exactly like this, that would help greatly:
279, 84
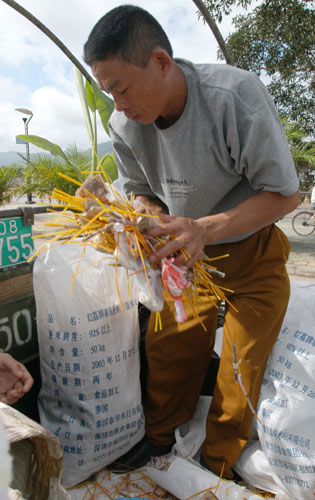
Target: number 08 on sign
16, 242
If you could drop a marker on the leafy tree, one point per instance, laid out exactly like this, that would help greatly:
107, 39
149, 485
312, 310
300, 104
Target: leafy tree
220, 8
8, 177
41, 173
303, 154
210, 20
278, 39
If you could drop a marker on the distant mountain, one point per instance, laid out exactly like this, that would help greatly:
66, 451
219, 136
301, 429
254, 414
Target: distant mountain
9, 158
105, 148
13, 157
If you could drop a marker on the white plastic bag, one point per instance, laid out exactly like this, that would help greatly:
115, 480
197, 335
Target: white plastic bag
190, 436
149, 282
283, 461
89, 352
185, 478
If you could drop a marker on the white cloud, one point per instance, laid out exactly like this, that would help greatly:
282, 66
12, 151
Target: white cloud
10, 126
10, 89
50, 106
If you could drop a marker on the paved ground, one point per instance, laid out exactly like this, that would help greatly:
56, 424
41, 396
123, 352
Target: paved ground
301, 263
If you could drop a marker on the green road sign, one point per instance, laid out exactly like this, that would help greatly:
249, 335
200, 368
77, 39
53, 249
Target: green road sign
16, 242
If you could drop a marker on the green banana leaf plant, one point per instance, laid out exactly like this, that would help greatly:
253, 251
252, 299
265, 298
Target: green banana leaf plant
92, 101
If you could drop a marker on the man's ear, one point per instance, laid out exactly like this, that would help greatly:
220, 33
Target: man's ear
162, 59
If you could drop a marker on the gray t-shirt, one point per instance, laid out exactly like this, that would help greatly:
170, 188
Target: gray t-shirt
227, 145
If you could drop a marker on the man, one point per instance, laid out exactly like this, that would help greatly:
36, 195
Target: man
205, 144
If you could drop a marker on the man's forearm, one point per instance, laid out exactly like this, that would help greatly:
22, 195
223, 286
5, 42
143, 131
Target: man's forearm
250, 215
193, 235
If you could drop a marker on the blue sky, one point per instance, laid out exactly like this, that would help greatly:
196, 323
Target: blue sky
36, 75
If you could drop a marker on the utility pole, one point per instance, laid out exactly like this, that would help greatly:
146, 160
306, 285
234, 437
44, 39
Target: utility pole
26, 122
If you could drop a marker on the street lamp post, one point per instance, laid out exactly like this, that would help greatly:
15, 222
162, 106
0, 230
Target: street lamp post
26, 122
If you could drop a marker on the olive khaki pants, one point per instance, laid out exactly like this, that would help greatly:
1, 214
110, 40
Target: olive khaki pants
179, 355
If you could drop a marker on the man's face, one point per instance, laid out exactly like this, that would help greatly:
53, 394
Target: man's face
141, 93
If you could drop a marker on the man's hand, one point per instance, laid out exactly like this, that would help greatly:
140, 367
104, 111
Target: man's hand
189, 234
15, 380
152, 205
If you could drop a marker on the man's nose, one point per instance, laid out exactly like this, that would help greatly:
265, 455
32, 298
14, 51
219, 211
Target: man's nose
120, 103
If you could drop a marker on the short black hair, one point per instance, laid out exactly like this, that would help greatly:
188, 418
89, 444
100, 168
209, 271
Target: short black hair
127, 32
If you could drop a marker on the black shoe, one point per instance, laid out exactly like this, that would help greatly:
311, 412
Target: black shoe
138, 456
236, 477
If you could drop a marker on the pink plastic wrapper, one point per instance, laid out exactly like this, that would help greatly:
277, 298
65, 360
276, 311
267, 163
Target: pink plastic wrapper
174, 280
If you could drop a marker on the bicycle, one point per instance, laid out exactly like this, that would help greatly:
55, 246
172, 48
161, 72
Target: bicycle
303, 223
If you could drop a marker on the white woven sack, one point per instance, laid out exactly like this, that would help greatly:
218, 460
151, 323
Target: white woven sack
36, 459
284, 459
89, 352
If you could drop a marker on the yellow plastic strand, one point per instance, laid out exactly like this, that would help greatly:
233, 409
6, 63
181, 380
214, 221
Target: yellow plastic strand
200, 492
76, 271
128, 282
74, 181
158, 320
84, 228
222, 469
116, 275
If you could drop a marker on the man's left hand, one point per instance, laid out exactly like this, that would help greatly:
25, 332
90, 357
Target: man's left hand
188, 233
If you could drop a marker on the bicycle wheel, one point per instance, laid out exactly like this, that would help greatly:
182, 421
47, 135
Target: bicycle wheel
303, 223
